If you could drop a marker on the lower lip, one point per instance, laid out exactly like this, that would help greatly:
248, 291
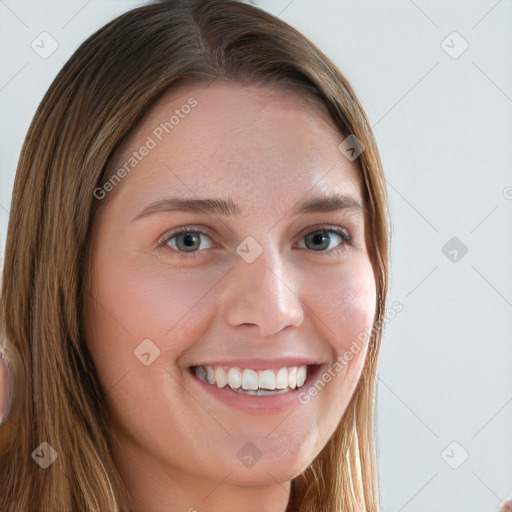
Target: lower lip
264, 404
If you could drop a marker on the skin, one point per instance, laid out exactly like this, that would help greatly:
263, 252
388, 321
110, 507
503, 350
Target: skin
176, 445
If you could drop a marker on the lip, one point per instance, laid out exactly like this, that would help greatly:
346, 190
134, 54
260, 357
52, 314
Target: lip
263, 364
260, 405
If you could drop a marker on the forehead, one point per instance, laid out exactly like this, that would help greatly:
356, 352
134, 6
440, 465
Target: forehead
258, 143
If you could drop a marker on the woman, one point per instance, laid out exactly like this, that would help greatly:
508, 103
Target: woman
152, 374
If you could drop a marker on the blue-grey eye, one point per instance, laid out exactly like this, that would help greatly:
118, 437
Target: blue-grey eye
320, 240
186, 240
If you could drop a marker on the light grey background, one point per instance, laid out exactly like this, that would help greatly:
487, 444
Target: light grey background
443, 122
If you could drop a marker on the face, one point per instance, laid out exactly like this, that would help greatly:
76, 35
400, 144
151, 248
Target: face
183, 326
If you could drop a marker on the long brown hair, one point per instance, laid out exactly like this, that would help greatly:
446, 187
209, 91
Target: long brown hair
100, 95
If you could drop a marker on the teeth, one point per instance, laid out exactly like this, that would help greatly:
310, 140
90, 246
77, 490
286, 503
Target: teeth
267, 379
249, 379
210, 375
282, 378
301, 376
261, 392
201, 373
220, 377
262, 382
234, 378
292, 378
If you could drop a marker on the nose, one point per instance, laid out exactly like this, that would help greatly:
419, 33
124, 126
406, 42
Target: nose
263, 293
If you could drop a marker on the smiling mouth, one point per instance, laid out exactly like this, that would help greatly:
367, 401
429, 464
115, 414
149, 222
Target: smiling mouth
246, 381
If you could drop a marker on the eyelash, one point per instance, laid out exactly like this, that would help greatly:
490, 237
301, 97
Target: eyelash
342, 232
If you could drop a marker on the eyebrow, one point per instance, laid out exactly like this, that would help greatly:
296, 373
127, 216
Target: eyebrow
227, 207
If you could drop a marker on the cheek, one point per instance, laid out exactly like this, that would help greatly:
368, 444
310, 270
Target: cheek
135, 300
345, 302
340, 305
177, 304
344, 312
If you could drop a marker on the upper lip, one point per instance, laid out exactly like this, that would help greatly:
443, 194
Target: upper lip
263, 364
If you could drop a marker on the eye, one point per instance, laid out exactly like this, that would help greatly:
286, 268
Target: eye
321, 239
184, 241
